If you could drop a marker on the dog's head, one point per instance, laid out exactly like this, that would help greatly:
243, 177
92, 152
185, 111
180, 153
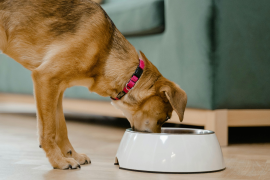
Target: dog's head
155, 110
153, 101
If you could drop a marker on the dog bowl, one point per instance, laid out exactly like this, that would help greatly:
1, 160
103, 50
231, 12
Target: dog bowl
174, 150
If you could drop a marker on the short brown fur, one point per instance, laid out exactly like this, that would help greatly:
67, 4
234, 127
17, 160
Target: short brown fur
74, 42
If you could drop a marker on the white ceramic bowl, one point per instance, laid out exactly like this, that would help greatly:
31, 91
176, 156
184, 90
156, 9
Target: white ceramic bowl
174, 150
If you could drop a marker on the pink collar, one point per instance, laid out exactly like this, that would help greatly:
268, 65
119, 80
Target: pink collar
132, 81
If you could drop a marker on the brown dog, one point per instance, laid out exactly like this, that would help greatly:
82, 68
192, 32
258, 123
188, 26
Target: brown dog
73, 42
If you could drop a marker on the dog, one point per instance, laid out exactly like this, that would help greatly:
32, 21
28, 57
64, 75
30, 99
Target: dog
67, 43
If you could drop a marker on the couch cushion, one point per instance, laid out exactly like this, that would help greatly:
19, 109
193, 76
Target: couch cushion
138, 17
242, 75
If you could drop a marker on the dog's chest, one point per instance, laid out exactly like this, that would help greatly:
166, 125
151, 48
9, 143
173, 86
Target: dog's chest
119, 105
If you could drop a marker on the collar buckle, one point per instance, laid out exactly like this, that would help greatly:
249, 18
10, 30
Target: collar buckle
127, 87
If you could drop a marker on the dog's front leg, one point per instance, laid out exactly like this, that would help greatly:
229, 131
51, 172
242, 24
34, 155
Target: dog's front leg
62, 136
47, 88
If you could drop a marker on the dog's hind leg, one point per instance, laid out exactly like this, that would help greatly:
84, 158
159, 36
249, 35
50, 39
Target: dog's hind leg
62, 136
48, 87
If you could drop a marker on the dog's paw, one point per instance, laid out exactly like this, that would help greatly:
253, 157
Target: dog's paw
66, 163
82, 158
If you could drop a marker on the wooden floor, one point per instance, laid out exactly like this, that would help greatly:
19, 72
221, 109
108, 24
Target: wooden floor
21, 158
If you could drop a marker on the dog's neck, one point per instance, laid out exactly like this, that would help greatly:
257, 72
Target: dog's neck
143, 89
144, 86
121, 64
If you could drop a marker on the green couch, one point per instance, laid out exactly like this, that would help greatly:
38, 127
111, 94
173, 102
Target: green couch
217, 51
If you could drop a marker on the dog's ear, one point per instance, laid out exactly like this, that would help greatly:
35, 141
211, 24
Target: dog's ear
141, 55
177, 97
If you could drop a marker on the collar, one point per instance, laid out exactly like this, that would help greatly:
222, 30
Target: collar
132, 81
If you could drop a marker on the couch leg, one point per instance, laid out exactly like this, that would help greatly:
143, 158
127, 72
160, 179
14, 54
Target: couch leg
217, 121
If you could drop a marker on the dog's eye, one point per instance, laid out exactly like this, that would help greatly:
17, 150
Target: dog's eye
163, 121
167, 118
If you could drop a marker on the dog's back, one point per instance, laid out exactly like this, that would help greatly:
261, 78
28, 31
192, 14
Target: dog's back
30, 29
59, 17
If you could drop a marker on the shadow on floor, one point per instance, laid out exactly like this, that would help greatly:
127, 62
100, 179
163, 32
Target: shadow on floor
239, 135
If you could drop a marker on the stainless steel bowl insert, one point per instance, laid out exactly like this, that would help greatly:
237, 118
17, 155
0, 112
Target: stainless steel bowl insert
173, 131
